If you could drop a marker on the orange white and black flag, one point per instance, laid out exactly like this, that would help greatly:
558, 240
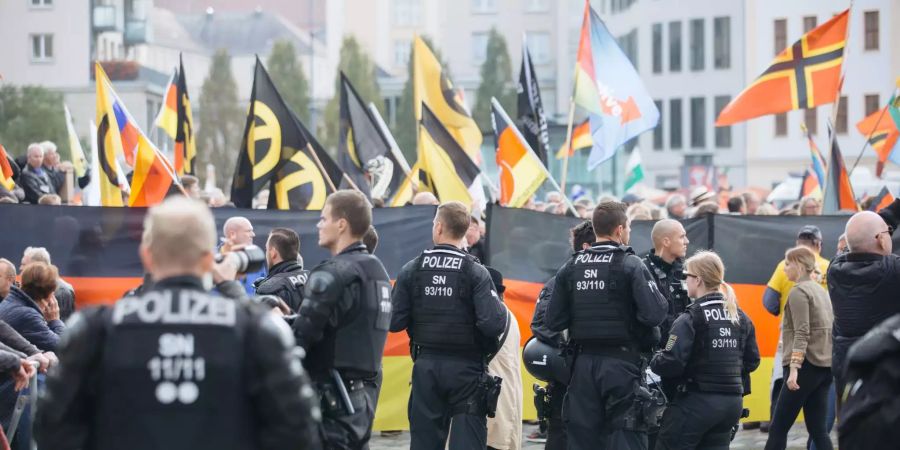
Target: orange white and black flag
838, 195
805, 75
882, 200
176, 119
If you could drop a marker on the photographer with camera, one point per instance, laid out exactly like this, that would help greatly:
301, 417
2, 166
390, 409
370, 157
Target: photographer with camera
710, 349
286, 277
238, 233
180, 361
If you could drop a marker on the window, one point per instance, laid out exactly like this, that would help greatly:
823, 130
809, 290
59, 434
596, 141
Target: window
539, 46
534, 6
41, 3
484, 6
698, 122
781, 124
697, 43
479, 47
811, 119
407, 12
723, 134
402, 47
629, 45
722, 42
657, 48
809, 22
872, 104
675, 123
841, 126
871, 30
41, 47
780, 35
658, 131
675, 46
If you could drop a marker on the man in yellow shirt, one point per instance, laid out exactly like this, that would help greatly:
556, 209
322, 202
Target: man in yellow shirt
777, 290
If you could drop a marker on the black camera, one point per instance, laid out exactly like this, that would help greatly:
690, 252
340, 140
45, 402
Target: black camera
249, 259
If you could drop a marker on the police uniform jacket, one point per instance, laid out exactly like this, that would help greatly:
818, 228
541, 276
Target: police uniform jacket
285, 280
668, 279
416, 300
177, 368
706, 351
626, 277
539, 326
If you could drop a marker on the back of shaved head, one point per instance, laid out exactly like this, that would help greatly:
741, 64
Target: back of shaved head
863, 234
662, 229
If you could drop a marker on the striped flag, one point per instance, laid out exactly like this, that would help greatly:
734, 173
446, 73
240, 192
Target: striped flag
882, 200
521, 170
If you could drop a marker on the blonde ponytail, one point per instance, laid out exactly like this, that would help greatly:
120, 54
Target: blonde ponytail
731, 305
708, 266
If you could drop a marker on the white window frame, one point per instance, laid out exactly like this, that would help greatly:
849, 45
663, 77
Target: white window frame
539, 56
43, 57
479, 55
537, 6
402, 46
484, 6
41, 4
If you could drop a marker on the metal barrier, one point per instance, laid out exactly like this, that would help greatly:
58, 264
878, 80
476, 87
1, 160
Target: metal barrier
25, 398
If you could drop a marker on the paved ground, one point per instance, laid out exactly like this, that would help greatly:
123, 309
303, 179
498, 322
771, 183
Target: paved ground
745, 439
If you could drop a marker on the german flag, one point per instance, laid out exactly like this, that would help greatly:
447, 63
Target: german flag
521, 171
805, 75
838, 193
810, 186
177, 121
153, 175
882, 200
6, 172
446, 170
581, 138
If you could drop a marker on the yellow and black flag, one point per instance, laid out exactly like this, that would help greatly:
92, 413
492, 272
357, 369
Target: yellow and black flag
296, 183
362, 147
445, 168
176, 119
275, 153
109, 141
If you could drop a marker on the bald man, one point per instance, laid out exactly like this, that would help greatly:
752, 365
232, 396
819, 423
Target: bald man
7, 277
238, 231
864, 282
665, 263
425, 198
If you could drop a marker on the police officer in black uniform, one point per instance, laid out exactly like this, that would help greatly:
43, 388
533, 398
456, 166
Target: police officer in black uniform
872, 404
582, 235
607, 300
286, 277
446, 301
666, 263
176, 367
710, 349
343, 322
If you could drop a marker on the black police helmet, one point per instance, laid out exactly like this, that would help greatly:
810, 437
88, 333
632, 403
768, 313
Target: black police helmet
544, 362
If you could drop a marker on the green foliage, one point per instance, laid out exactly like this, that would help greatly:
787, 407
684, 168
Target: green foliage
220, 121
286, 72
360, 70
406, 127
31, 114
496, 81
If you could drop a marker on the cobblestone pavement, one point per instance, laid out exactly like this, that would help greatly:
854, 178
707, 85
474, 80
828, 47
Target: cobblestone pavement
745, 439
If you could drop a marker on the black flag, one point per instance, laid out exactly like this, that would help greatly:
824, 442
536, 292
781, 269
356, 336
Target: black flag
531, 118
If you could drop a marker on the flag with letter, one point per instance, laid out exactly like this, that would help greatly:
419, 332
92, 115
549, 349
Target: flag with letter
805, 75
610, 89
447, 170
531, 119
432, 88
6, 172
109, 141
77, 153
521, 171
634, 173
177, 120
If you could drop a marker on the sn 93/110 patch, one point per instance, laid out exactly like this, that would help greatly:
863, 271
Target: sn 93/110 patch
671, 342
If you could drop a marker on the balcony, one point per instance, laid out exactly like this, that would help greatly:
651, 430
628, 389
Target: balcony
104, 18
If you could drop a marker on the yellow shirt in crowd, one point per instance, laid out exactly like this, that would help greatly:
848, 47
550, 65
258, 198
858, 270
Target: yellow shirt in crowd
780, 283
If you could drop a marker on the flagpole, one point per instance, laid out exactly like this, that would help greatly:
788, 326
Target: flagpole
565, 167
321, 167
525, 143
837, 100
395, 149
875, 127
349, 181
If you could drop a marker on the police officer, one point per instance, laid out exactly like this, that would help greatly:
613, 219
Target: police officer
607, 300
343, 322
710, 349
666, 263
872, 402
176, 367
286, 277
582, 235
447, 303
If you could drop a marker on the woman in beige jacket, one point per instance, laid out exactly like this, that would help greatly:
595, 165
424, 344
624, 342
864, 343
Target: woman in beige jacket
807, 325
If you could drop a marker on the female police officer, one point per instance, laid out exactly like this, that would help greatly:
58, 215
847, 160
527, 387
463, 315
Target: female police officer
711, 347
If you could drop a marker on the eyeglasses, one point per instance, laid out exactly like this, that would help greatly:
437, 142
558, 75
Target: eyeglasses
689, 275
889, 231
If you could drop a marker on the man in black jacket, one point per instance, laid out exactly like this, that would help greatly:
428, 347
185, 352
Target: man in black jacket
192, 370
286, 276
863, 284
36, 180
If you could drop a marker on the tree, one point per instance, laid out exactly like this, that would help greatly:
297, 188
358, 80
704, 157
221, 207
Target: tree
406, 128
358, 68
496, 81
221, 120
31, 114
287, 73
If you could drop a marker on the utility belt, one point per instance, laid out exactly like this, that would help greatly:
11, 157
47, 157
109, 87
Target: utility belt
483, 401
418, 351
629, 353
695, 387
339, 397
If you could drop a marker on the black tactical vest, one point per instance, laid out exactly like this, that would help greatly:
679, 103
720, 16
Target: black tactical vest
717, 355
602, 307
173, 365
359, 339
443, 314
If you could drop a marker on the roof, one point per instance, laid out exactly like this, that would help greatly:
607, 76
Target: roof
241, 33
